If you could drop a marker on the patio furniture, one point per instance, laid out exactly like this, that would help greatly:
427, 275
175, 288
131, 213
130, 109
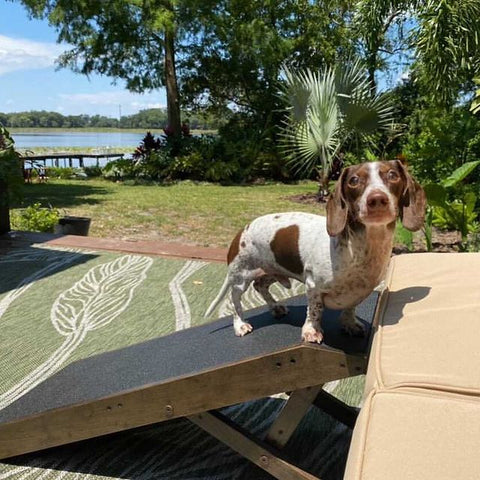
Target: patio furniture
421, 413
192, 373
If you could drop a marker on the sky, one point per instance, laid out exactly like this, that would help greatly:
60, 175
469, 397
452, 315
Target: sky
29, 79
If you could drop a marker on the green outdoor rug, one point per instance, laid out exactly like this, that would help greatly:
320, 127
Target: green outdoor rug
60, 305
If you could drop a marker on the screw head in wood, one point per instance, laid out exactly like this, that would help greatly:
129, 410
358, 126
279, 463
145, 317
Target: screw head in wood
169, 411
264, 460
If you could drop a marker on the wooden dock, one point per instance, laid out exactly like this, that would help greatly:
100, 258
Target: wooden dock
68, 158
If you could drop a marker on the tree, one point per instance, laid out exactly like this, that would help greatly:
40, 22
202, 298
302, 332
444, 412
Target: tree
124, 39
379, 26
325, 110
10, 177
442, 36
239, 47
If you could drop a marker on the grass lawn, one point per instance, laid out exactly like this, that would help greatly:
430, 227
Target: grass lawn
203, 214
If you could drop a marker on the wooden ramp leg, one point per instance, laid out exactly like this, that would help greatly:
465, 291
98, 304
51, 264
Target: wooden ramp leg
248, 446
336, 408
293, 411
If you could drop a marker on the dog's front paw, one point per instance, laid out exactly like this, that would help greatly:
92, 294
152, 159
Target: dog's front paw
354, 329
243, 329
279, 311
312, 335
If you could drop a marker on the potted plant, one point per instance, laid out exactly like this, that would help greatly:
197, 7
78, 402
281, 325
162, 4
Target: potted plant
10, 177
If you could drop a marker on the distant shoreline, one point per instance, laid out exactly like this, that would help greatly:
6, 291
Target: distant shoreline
155, 131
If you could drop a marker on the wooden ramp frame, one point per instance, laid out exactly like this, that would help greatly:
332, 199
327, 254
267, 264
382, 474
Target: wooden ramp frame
191, 374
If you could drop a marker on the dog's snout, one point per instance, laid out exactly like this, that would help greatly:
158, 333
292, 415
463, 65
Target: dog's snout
377, 200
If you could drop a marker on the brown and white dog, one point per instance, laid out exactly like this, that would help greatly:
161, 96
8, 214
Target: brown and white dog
340, 258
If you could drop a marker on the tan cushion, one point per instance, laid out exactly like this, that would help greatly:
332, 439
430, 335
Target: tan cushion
429, 330
409, 434
421, 417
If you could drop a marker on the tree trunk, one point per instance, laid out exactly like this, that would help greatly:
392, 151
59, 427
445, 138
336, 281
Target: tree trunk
173, 103
372, 68
4, 209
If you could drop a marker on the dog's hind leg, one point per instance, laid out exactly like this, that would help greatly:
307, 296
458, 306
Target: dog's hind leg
350, 324
240, 326
262, 286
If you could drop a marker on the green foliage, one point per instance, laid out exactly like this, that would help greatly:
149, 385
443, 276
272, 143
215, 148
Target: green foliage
93, 171
10, 168
120, 169
62, 172
35, 218
447, 45
404, 236
443, 36
439, 141
459, 213
427, 228
147, 119
325, 110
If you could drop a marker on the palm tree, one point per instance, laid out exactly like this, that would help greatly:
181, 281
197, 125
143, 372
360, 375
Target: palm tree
324, 110
442, 35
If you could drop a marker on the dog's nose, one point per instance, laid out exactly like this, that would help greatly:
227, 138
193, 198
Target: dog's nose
377, 200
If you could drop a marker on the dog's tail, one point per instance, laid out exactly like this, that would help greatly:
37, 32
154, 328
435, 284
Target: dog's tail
218, 298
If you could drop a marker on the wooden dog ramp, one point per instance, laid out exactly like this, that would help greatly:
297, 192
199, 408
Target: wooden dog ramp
192, 373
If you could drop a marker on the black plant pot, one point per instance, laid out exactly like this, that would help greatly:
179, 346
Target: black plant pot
73, 226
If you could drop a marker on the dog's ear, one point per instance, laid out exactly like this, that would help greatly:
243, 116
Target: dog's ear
413, 202
337, 208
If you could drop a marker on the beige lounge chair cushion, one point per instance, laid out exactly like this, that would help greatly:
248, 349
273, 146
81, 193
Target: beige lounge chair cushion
406, 434
421, 417
429, 328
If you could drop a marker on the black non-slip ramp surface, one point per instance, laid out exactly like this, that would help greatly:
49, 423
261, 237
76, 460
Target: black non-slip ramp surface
182, 355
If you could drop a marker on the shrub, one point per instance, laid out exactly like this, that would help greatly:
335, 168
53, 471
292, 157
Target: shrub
94, 171
440, 141
453, 203
62, 172
119, 169
34, 218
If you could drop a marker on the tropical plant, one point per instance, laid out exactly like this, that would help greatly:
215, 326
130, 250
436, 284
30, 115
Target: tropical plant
439, 141
436, 40
35, 218
427, 228
403, 236
458, 214
325, 109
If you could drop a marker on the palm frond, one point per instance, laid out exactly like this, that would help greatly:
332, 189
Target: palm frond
325, 109
310, 136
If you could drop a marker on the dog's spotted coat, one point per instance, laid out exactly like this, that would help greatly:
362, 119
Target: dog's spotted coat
340, 258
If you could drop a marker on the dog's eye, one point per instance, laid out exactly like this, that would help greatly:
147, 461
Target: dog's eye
354, 181
392, 176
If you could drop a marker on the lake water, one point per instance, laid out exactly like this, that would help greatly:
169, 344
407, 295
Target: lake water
100, 140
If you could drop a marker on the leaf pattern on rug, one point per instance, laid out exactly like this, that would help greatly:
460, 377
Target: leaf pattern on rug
97, 299
183, 315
